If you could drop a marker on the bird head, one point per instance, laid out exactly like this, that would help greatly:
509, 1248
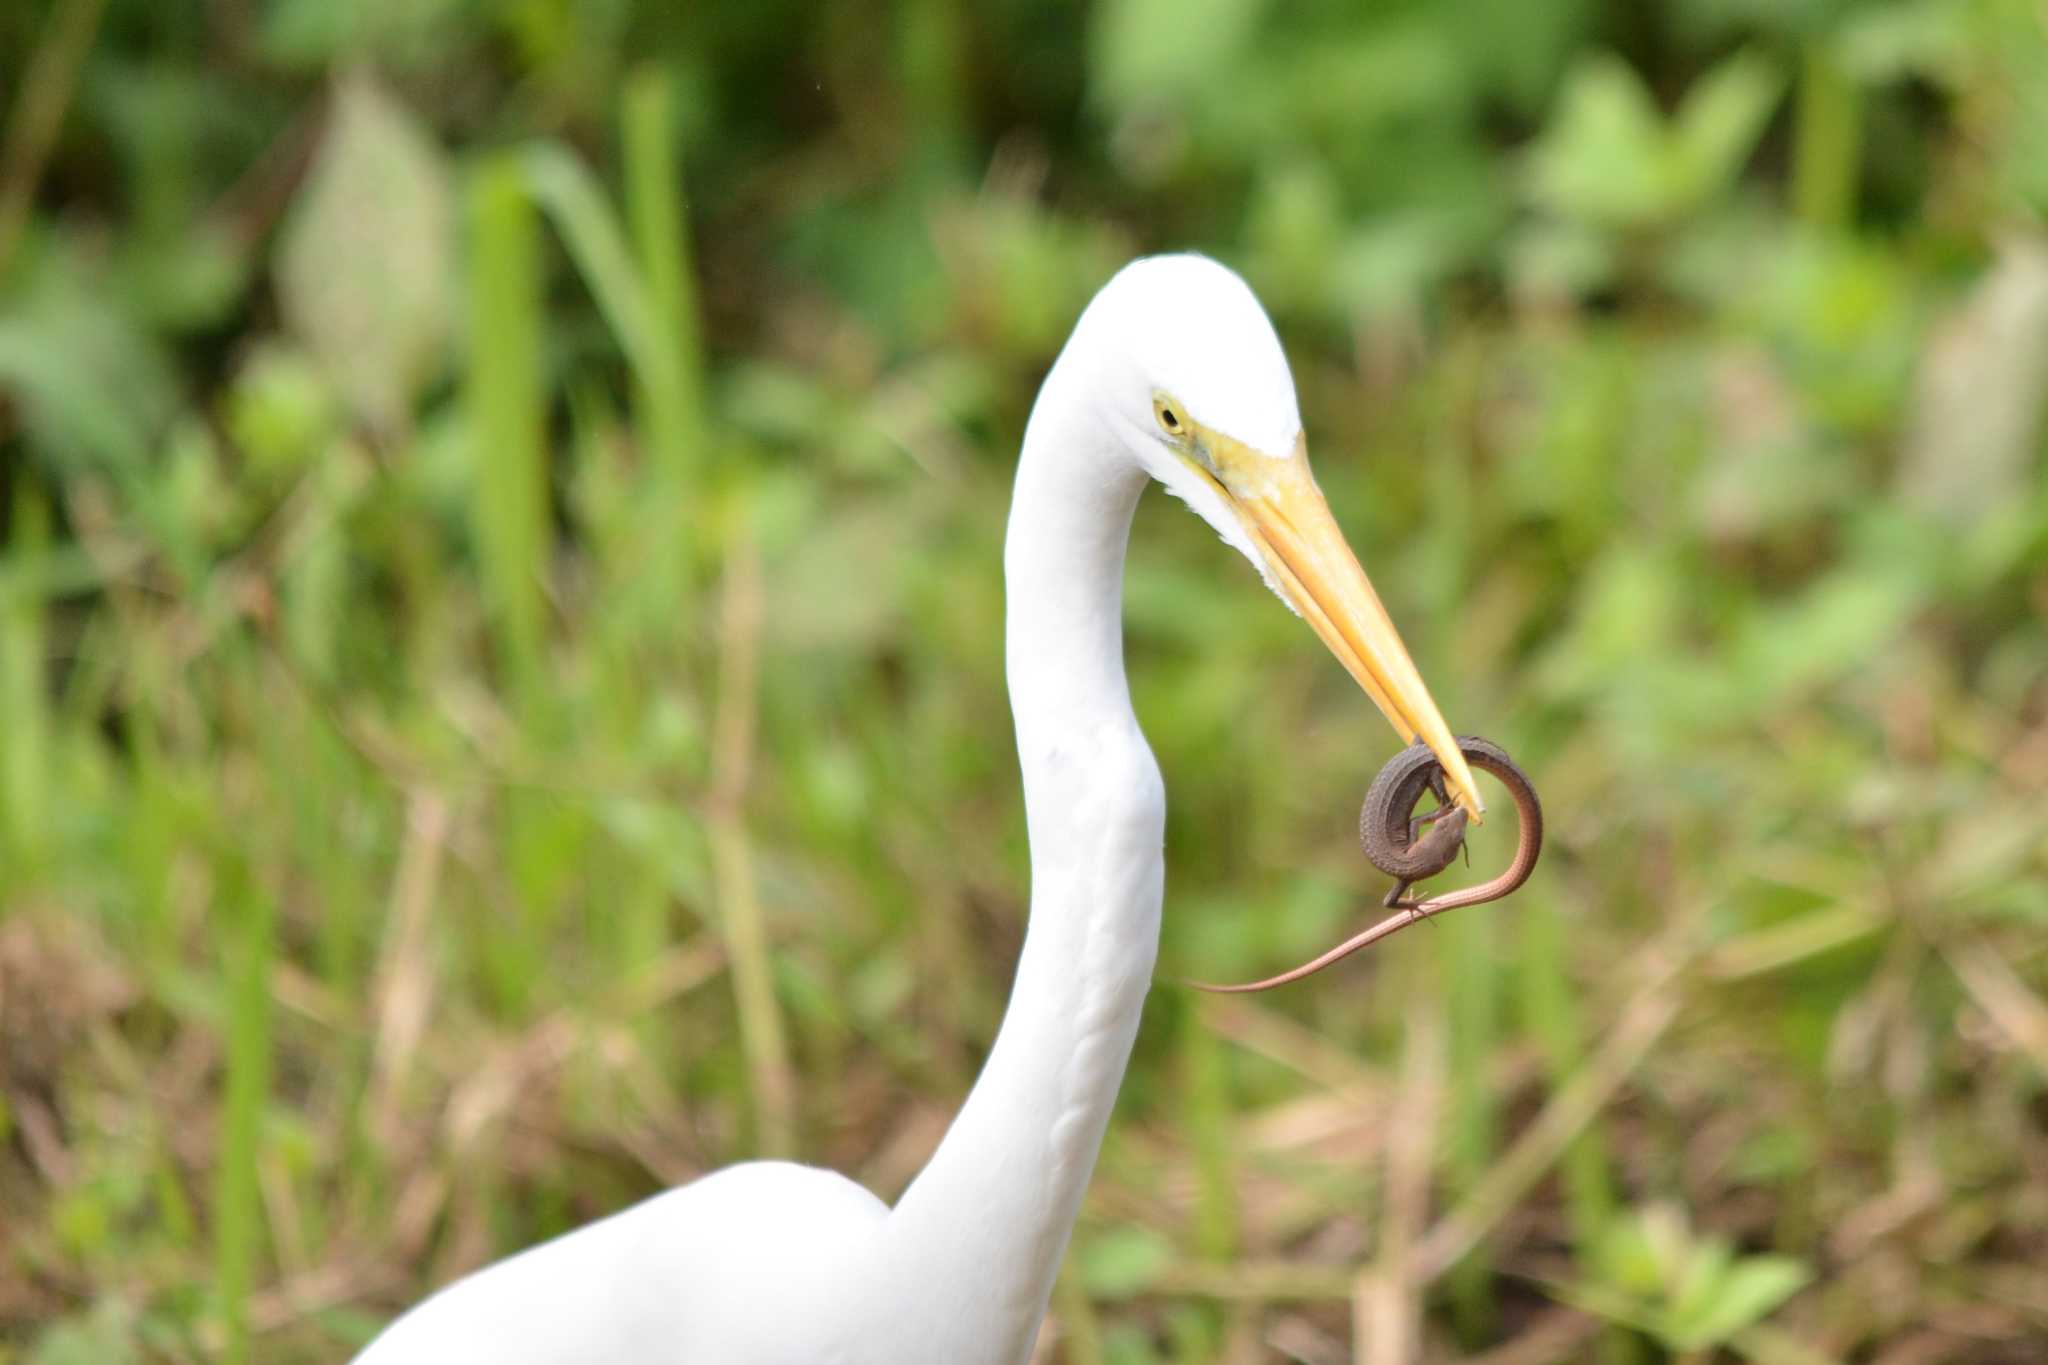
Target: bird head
1192, 379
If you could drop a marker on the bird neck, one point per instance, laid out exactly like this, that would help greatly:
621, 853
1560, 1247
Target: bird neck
989, 1217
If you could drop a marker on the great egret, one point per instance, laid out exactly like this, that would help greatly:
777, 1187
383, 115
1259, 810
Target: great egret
1172, 373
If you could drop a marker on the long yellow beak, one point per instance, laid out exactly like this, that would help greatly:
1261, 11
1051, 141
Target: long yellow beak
1288, 521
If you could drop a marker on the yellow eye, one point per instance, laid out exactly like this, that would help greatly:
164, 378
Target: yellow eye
1171, 420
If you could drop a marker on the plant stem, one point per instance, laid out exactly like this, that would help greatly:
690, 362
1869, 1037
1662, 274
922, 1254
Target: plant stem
39, 112
1827, 141
739, 905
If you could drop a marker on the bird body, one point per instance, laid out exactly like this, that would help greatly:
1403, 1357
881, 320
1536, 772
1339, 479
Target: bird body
771, 1263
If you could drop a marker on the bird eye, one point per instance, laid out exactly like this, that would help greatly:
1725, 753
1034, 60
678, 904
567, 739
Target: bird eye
1169, 415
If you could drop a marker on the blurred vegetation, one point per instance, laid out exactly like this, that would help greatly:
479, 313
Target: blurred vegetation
500, 691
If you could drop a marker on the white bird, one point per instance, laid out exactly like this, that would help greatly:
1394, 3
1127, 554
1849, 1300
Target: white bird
1173, 373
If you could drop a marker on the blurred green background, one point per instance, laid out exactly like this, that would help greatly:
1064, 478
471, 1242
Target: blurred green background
500, 685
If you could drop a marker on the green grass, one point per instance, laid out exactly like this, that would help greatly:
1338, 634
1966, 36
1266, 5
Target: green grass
421, 836
247, 932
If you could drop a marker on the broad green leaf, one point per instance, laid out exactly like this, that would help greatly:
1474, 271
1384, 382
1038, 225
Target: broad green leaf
1891, 42
69, 413
1555, 259
363, 275
1600, 160
1145, 49
1385, 265
1720, 121
1625, 1258
309, 34
1698, 1284
1834, 627
92, 387
1612, 1304
1789, 18
103, 1336
1972, 444
1609, 158
1521, 47
1296, 217
1744, 1294
1123, 1261
279, 409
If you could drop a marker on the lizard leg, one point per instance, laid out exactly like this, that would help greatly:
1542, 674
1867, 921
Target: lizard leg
1417, 824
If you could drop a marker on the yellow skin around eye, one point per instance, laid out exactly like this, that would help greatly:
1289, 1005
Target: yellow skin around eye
1168, 414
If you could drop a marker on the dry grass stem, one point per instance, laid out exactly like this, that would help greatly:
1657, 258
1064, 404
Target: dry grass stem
739, 905
405, 975
1386, 1308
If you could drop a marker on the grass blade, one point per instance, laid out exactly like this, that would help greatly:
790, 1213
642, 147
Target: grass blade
24, 711
506, 414
670, 389
237, 1208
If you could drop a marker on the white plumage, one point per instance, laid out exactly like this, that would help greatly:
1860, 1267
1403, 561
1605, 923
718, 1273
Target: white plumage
1173, 373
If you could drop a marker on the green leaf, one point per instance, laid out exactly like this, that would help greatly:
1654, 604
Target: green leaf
1599, 160
1720, 121
279, 410
104, 1336
1387, 263
1832, 629
1701, 1271
363, 273
1145, 49
1744, 1294
310, 34
564, 189
1556, 259
1624, 1257
1609, 159
1519, 48
91, 386
1612, 1304
1123, 1261
1926, 38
